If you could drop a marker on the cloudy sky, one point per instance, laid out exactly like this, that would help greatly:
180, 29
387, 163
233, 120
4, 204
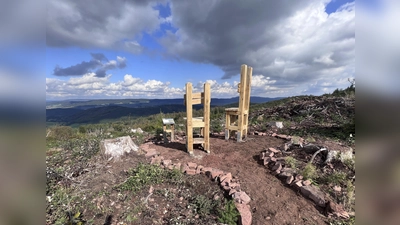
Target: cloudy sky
150, 49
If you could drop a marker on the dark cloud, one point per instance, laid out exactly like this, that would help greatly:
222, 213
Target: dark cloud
116, 24
99, 56
76, 70
98, 62
293, 41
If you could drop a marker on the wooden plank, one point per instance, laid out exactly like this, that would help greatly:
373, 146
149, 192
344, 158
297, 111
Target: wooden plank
243, 85
196, 95
198, 141
231, 109
197, 124
189, 115
206, 104
233, 127
247, 103
196, 101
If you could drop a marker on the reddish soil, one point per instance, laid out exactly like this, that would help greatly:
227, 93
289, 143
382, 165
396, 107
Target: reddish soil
273, 202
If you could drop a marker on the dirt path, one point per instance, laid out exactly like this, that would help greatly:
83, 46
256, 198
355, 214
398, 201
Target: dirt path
272, 201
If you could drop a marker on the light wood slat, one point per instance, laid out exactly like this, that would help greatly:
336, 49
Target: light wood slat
196, 95
189, 115
198, 140
196, 101
198, 124
206, 104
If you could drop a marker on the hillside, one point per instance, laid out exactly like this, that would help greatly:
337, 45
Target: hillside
95, 111
315, 150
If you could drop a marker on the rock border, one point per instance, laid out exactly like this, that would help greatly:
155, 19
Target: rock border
278, 168
229, 183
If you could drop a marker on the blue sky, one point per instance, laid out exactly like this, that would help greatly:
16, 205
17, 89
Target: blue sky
151, 49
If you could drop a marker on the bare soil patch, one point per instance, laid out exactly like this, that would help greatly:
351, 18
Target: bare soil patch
272, 201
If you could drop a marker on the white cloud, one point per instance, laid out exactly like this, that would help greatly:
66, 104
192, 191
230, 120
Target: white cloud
293, 44
90, 86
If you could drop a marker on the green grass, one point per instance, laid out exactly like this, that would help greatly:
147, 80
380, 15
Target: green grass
336, 178
291, 162
144, 175
309, 172
229, 215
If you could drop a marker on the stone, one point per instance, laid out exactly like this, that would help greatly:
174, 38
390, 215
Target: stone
245, 214
267, 160
274, 134
207, 169
177, 166
277, 124
270, 154
336, 210
170, 167
232, 191
277, 172
306, 183
199, 169
273, 159
286, 147
273, 150
314, 194
298, 184
192, 165
151, 153
225, 187
184, 167
166, 162
118, 147
285, 174
296, 140
283, 136
330, 156
234, 185
190, 171
337, 188
156, 160
262, 155
289, 180
241, 197
226, 178
277, 166
215, 173
299, 177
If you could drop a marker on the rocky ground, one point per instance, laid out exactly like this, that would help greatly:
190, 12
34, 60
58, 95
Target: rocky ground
292, 175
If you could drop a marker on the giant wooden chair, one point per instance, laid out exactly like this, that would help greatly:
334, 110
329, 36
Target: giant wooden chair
203, 123
237, 119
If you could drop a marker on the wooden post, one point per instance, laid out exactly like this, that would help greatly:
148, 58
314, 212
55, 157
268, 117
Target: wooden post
165, 133
243, 85
206, 110
189, 116
247, 102
172, 132
227, 123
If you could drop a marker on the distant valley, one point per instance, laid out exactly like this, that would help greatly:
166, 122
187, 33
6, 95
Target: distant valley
69, 112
